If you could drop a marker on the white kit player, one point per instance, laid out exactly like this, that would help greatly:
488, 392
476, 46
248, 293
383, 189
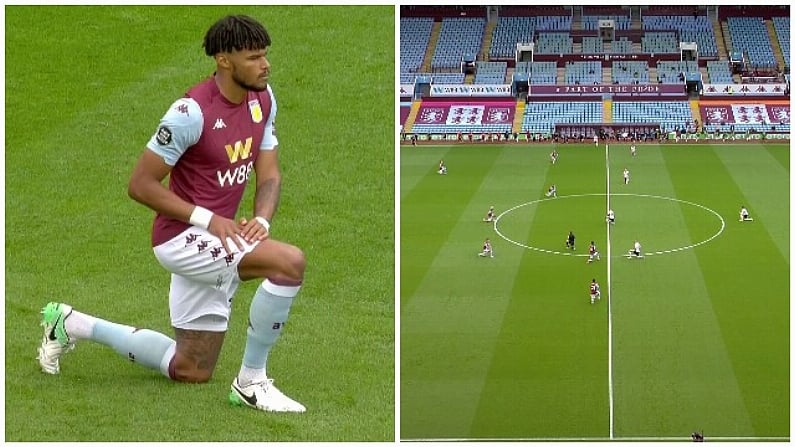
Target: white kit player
635, 252
552, 191
611, 217
744, 216
626, 176
487, 250
489, 215
633, 150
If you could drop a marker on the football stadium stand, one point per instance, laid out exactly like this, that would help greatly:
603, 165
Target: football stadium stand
531, 69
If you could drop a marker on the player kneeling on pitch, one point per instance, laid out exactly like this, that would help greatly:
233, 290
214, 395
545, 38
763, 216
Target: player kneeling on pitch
593, 253
635, 251
552, 191
442, 167
489, 215
570, 241
744, 216
487, 250
596, 294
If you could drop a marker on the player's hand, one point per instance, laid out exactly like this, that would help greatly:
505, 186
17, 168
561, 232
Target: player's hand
253, 230
224, 228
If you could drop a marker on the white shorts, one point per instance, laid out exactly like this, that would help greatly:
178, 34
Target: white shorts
203, 278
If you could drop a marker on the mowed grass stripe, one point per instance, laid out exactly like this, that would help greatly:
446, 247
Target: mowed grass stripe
764, 183
433, 208
449, 326
781, 153
748, 280
669, 354
549, 365
416, 163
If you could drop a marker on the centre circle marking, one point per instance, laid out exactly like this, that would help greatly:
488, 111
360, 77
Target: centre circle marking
556, 252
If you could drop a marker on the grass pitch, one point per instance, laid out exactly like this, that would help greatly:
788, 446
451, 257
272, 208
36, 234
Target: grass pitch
85, 90
693, 337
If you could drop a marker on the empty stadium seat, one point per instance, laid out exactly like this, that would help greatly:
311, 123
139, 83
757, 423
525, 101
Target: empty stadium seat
670, 114
541, 117
414, 35
659, 42
458, 37
543, 73
719, 72
588, 72
554, 43
591, 22
696, 29
490, 72
508, 32
781, 24
630, 72
749, 35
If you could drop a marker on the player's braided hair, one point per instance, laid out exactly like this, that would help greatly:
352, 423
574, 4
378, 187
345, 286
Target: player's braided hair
235, 33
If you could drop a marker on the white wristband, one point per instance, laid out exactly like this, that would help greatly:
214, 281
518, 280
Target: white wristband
264, 222
201, 217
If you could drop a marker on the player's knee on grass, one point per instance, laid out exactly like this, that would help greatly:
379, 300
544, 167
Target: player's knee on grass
196, 355
184, 369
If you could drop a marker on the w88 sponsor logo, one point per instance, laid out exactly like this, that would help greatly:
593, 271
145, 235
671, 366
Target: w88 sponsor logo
236, 176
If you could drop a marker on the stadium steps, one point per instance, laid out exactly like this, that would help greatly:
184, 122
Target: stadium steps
607, 75
771, 31
488, 38
737, 79
637, 47
518, 116
727, 39
432, 41
704, 74
636, 22
653, 78
607, 47
469, 78
694, 109
415, 109
607, 110
576, 18
561, 77
719, 39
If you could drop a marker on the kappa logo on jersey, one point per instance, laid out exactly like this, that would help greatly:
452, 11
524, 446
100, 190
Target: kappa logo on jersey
219, 124
256, 110
183, 108
163, 135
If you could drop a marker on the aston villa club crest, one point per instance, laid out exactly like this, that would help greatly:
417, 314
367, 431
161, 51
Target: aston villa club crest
256, 110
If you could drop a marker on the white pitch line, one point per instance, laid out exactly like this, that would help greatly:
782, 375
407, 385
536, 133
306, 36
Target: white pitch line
609, 295
619, 438
673, 250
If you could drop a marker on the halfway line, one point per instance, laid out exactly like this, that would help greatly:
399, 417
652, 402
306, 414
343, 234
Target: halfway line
609, 310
